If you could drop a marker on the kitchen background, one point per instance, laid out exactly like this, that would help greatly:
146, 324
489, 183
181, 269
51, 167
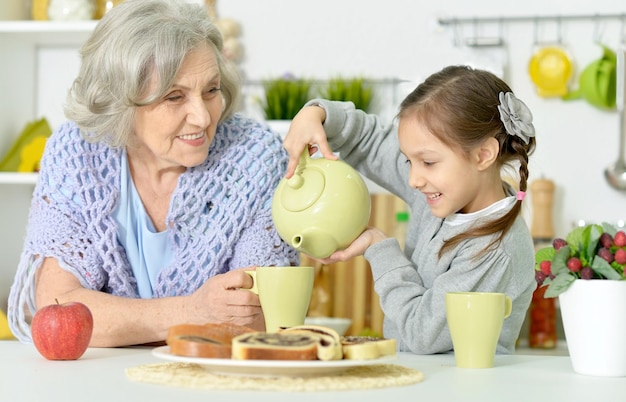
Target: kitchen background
397, 43
403, 40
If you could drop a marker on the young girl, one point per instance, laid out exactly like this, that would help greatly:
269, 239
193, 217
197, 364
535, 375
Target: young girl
455, 133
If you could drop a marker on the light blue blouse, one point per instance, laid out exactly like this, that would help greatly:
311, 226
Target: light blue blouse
147, 250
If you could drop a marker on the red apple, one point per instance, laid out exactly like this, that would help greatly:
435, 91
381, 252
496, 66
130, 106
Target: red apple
62, 331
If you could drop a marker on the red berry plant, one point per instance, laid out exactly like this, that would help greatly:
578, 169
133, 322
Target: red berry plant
588, 252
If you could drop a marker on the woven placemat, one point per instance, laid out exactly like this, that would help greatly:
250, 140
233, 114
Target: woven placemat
195, 376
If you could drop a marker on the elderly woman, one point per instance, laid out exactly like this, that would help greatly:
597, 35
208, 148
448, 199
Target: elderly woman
154, 192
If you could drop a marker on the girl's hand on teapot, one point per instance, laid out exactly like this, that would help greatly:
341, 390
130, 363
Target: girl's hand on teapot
370, 236
306, 131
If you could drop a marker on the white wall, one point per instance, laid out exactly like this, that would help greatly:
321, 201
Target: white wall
402, 39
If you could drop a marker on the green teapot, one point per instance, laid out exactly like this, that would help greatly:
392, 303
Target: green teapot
322, 208
598, 81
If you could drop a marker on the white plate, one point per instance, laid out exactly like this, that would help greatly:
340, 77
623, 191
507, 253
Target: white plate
265, 368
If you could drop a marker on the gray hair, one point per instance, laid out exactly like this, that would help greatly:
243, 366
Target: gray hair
131, 41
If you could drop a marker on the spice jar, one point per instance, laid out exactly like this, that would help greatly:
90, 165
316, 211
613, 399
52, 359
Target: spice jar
542, 333
71, 10
542, 311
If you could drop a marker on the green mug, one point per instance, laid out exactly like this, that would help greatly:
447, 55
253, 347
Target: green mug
475, 321
285, 294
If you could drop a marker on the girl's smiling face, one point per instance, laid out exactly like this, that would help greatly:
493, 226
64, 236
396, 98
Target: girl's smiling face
451, 181
177, 130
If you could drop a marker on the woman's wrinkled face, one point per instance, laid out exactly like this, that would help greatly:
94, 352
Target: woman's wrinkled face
448, 179
178, 129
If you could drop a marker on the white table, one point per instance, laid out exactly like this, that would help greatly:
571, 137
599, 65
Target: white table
99, 376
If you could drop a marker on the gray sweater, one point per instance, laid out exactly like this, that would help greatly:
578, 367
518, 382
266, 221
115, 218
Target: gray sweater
412, 283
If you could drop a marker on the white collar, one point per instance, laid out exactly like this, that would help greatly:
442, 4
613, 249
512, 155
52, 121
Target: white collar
458, 219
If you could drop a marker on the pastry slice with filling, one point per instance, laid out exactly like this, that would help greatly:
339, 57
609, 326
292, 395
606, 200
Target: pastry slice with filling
329, 347
209, 340
367, 347
275, 346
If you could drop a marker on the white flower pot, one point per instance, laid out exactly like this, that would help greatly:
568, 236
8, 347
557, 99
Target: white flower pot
594, 322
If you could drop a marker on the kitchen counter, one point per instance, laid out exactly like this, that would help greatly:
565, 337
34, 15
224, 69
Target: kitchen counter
99, 375
559, 350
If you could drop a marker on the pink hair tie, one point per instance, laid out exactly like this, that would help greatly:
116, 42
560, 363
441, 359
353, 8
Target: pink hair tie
521, 195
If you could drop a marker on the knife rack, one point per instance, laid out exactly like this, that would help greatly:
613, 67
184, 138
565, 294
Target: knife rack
346, 289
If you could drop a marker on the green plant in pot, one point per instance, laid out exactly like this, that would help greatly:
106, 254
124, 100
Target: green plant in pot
588, 252
285, 96
356, 90
586, 271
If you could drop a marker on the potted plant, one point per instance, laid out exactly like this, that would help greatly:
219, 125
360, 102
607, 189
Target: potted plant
285, 96
356, 90
586, 272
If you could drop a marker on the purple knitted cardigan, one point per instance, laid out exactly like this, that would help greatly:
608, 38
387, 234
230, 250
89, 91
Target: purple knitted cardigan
219, 217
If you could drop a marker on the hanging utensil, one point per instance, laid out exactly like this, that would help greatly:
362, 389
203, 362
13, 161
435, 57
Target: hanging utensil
478, 39
550, 68
597, 81
485, 48
616, 173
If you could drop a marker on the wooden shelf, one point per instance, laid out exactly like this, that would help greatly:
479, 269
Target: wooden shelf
18, 178
44, 33
48, 27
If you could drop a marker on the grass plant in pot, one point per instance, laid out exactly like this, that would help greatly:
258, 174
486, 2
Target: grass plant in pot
284, 97
586, 272
356, 90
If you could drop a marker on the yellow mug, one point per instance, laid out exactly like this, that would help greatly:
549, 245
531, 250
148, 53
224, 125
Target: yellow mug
285, 294
475, 321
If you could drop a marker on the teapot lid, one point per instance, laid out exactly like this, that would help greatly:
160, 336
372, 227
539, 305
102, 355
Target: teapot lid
302, 190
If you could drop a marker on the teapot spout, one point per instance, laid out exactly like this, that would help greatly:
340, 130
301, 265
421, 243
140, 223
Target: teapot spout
316, 244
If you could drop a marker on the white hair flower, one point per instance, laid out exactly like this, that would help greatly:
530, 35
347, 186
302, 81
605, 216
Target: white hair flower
516, 116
